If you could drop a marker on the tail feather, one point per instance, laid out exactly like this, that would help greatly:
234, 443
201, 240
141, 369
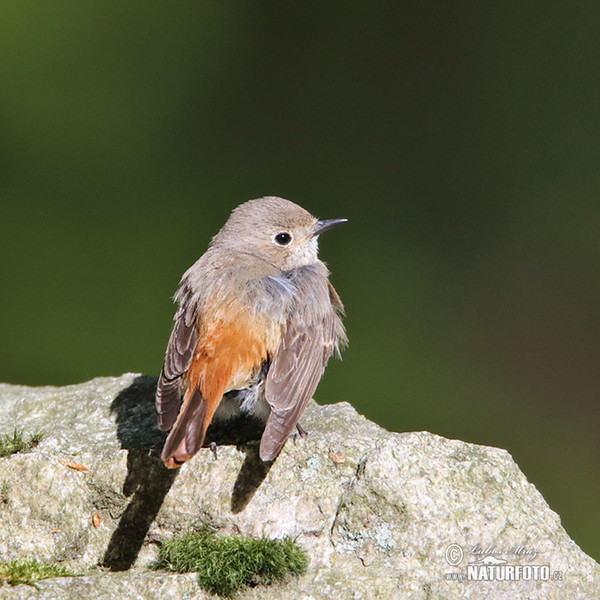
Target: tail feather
187, 435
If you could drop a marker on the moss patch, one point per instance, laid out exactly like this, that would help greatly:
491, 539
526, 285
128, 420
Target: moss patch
15, 572
225, 564
12, 443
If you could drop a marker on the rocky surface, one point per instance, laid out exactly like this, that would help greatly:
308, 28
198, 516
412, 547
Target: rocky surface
382, 515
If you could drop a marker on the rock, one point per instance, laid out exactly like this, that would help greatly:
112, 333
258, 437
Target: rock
382, 515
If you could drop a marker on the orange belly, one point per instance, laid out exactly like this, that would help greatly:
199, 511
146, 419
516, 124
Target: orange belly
228, 355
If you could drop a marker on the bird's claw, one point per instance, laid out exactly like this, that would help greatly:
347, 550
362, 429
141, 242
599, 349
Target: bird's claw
213, 449
302, 433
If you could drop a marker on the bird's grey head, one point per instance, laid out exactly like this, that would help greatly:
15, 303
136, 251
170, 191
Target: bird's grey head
275, 230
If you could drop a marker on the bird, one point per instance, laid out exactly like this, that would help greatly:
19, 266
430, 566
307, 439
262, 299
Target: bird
257, 321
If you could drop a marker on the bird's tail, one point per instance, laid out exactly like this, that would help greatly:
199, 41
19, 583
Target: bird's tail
187, 435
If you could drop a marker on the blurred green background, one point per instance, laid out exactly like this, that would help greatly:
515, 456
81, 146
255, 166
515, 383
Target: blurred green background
462, 140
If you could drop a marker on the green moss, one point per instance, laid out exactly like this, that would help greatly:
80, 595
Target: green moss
15, 572
12, 443
226, 564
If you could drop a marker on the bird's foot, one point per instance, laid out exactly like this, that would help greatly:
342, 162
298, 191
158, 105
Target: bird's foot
213, 449
302, 433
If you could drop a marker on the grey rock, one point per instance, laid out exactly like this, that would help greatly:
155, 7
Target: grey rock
382, 515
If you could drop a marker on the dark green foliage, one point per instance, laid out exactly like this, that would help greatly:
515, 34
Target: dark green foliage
226, 564
15, 572
12, 443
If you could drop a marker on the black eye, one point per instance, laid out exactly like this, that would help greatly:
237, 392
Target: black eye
283, 239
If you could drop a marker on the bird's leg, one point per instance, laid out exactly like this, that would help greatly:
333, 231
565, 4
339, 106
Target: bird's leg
213, 449
302, 433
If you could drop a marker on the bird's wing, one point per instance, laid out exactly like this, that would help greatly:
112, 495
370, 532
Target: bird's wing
178, 358
295, 371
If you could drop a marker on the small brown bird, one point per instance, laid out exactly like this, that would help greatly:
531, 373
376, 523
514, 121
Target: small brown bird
256, 324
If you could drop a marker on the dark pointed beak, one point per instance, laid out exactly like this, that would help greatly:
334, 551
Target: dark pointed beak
326, 225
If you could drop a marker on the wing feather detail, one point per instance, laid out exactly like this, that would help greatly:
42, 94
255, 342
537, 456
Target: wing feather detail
178, 358
308, 343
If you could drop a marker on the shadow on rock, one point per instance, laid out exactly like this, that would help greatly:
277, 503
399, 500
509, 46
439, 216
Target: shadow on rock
251, 475
147, 481
245, 432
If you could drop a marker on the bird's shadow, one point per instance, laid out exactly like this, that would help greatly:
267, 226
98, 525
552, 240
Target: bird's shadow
148, 481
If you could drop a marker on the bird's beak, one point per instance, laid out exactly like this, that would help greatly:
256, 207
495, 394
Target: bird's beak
322, 226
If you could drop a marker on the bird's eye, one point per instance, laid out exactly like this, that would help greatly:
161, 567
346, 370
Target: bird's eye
283, 239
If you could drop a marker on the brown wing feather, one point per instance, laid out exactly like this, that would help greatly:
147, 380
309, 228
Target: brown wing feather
178, 358
293, 377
